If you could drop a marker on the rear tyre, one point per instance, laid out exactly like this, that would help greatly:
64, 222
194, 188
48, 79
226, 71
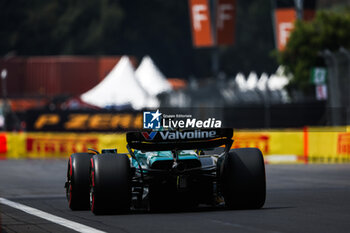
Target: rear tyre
110, 184
243, 182
78, 185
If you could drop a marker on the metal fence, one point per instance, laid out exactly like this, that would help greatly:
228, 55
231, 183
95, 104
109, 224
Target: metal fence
338, 80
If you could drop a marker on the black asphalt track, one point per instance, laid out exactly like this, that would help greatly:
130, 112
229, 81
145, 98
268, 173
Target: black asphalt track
300, 198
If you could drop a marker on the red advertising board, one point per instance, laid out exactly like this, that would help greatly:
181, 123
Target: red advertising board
285, 18
225, 22
200, 22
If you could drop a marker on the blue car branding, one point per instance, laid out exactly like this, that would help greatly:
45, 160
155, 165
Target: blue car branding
150, 135
167, 135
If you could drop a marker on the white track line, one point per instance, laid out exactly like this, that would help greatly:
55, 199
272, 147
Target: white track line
49, 217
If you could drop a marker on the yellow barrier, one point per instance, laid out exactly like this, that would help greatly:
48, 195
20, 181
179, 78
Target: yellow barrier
308, 145
329, 144
16, 146
274, 142
314, 144
59, 145
278, 146
113, 141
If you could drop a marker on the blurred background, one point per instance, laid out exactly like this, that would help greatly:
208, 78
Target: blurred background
252, 63
78, 74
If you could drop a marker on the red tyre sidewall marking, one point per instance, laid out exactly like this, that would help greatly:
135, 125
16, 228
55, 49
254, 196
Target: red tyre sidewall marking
70, 195
93, 202
70, 185
71, 167
93, 184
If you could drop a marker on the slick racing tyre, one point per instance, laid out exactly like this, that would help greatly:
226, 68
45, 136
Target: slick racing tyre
243, 182
110, 184
78, 185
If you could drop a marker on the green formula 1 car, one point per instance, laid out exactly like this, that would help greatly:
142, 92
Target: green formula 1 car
167, 170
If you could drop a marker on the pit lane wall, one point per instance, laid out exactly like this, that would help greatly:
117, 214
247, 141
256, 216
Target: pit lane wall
308, 145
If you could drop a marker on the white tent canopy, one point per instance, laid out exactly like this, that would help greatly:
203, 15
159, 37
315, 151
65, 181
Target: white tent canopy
119, 87
262, 83
151, 78
241, 82
278, 80
252, 81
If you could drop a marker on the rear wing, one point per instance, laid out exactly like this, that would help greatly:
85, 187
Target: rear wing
180, 139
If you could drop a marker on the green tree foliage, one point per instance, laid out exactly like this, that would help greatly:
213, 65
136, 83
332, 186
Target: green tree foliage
329, 30
40, 27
